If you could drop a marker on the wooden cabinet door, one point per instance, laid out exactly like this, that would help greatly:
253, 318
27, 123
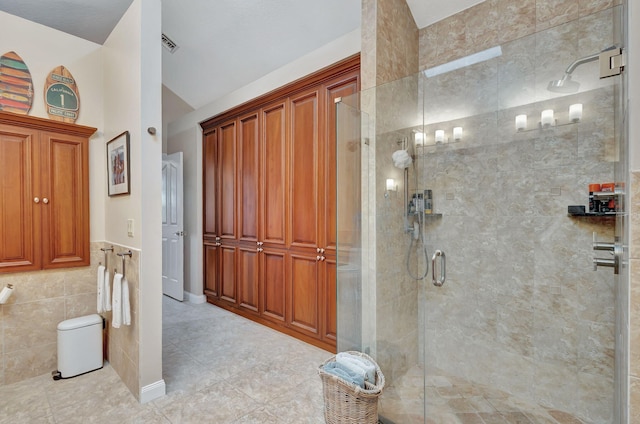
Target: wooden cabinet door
19, 214
210, 184
65, 200
342, 87
248, 273
304, 294
273, 288
274, 184
227, 273
248, 177
211, 270
329, 309
304, 166
227, 180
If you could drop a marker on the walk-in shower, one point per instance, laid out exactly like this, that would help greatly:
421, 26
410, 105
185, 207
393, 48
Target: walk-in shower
524, 330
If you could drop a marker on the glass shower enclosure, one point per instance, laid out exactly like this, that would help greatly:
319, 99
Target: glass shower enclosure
520, 325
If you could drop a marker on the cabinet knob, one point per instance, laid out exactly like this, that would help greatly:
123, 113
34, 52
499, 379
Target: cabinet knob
36, 200
45, 200
322, 258
318, 258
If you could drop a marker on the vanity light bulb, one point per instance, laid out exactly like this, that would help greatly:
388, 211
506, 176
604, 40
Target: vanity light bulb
457, 133
391, 184
439, 136
521, 122
419, 138
547, 118
575, 112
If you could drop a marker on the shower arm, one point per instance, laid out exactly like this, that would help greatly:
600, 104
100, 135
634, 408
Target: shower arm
579, 62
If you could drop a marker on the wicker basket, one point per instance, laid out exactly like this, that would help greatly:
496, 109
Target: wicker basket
345, 403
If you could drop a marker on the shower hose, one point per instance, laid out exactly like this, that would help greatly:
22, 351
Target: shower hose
414, 240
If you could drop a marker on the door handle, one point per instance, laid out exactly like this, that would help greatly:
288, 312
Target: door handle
179, 233
443, 272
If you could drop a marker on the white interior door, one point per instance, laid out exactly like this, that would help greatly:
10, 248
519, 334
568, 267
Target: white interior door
172, 227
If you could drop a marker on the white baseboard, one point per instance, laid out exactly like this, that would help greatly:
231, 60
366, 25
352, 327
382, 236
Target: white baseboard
195, 298
152, 391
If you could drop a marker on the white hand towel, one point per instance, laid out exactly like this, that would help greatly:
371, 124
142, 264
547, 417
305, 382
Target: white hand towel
116, 317
100, 289
107, 291
356, 362
126, 308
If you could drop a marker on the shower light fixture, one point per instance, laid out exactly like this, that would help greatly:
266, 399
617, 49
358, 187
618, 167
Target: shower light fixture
457, 133
521, 122
575, 112
546, 118
419, 138
439, 135
391, 184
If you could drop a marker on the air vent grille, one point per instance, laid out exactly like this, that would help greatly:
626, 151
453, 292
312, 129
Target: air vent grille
169, 44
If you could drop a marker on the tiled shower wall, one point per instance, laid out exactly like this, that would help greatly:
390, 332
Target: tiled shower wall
42, 299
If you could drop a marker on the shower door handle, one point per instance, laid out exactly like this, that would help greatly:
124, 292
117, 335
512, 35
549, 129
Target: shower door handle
443, 271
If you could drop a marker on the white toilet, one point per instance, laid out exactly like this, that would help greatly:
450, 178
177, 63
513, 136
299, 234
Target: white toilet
79, 346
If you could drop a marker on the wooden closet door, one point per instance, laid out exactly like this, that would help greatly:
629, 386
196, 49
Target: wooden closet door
248, 177
65, 200
211, 270
344, 86
210, 184
19, 215
274, 185
227, 178
304, 169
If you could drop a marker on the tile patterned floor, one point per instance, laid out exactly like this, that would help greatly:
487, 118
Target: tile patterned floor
221, 368
452, 400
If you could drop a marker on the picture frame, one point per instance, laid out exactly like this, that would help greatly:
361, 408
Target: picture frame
118, 172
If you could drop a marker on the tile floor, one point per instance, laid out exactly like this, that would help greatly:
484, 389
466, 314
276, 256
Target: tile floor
221, 368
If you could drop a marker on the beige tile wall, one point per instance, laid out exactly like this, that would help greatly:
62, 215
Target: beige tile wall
634, 318
41, 300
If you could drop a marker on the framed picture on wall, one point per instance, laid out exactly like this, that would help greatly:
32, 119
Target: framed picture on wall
118, 165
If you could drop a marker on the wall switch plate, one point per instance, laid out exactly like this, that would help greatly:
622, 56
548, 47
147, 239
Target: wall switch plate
130, 227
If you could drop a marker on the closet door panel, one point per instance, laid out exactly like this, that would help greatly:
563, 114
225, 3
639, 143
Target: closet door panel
273, 285
304, 294
227, 184
65, 202
330, 325
211, 270
248, 145
19, 214
227, 273
274, 180
248, 278
209, 181
304, 169
344, 87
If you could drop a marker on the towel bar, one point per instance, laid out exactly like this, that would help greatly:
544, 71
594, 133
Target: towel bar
122, 255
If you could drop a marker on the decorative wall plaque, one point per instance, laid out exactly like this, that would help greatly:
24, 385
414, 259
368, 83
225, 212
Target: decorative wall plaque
61, 97
16, 86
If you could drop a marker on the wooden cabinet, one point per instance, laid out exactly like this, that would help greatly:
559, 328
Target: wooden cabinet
270, 213
44, 194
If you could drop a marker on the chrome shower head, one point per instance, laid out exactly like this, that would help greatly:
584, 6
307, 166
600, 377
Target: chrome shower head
564, 85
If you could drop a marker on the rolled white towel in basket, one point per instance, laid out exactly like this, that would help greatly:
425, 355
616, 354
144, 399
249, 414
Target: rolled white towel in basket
358, 364
344, 373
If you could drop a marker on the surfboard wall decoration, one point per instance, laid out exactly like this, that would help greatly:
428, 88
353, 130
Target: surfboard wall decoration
61, 97
16, 86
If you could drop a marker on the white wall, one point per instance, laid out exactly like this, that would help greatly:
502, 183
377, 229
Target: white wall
133, 102
42, 49
185, 135
151, 382
633, 65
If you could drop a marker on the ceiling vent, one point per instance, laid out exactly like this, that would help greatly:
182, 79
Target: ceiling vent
169, 44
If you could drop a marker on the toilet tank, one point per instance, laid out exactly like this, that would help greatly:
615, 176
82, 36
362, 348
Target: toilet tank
79, 346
